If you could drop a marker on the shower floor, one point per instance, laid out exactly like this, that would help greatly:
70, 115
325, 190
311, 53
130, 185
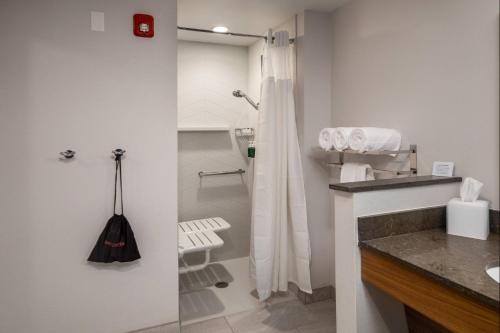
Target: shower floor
201, 300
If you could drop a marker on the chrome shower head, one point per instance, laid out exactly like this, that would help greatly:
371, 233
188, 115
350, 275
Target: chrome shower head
239, 94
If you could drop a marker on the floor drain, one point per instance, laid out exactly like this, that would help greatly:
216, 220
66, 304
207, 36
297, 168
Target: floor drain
221, 284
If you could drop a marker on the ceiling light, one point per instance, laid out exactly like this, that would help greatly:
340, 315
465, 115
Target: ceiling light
221, 29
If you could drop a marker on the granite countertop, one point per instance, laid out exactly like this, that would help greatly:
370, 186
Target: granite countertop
457, 262
383, 184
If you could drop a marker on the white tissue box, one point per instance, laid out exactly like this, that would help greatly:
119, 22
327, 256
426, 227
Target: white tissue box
468, 219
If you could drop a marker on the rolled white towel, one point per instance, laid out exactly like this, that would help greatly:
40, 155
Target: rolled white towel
356, 172
326, 138
341, 137
372, 139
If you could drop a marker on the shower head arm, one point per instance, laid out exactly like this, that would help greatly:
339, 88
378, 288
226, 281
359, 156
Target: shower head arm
239, 93
252, 103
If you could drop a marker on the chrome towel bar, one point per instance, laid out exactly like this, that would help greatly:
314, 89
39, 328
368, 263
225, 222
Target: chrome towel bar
411, 152
411, 172
218, 173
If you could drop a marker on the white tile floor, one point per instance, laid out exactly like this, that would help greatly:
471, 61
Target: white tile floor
236, 309
283, 317
200, 300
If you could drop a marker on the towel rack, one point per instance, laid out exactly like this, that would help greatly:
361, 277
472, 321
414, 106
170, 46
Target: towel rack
244, 132
218, 173
394, 172
412, 156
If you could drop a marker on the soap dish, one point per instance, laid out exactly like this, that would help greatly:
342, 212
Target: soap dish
245, 132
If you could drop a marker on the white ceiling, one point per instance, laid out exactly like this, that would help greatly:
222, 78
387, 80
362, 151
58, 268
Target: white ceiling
242, 16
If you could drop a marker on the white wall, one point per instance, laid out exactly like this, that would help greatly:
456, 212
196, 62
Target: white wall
255, 52
313, 114
428, 68
63, 86
207, 75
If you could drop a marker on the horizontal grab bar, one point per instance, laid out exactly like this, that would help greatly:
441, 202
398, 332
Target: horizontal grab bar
218, 173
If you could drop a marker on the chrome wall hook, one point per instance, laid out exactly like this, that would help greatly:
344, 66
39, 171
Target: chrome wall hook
118, 153
68, 154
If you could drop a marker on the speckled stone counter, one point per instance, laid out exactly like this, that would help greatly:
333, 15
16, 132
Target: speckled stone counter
392, 183
457, 262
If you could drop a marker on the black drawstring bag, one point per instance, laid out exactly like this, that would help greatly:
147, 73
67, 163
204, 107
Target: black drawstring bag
117, 242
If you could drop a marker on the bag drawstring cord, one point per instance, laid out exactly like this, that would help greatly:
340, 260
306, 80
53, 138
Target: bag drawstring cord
118, 168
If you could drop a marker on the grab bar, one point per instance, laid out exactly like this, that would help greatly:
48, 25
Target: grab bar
412, 156
218, 173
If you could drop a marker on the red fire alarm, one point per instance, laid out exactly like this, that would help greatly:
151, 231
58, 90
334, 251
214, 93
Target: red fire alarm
144, 25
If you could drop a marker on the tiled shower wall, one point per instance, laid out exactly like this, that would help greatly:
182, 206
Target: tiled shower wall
207, 75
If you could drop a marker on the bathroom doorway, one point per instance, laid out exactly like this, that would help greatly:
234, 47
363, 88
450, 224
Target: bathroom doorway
221, 65
214, 192
219, 78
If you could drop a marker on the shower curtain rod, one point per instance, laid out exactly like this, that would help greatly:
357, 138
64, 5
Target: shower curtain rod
226, 33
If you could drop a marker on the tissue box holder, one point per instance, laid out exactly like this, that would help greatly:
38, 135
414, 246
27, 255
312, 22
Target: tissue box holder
468, 219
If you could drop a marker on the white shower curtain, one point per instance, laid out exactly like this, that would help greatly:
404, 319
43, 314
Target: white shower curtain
280, 249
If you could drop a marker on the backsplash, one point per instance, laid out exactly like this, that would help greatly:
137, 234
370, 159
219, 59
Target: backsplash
391, 224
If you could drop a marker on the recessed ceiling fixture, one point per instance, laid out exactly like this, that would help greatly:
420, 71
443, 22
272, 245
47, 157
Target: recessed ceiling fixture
220, 28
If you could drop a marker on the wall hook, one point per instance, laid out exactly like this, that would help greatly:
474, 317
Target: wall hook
118, 153
68, 154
